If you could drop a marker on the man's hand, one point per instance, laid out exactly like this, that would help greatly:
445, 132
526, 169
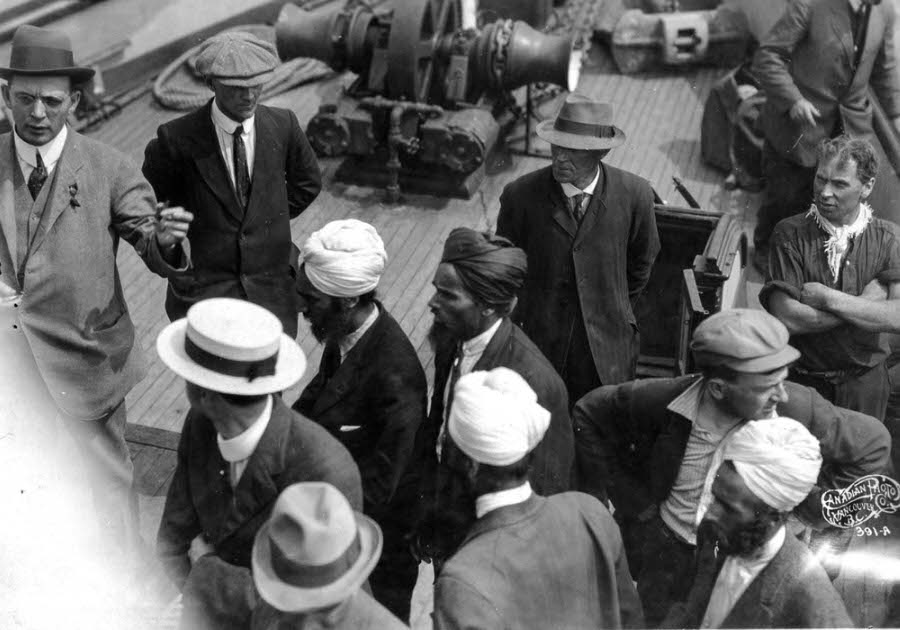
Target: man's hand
817, 295
171, 225
199, 548
804, 113
875, 291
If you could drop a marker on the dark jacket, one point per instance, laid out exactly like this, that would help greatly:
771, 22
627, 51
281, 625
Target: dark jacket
595, 271
236, 253
361, 612
380, 387
809, 54
630, 446
551, 466
792, 591
218, 589
543, 563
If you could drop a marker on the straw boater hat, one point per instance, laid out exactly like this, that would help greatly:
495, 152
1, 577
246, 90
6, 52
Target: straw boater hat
314, 551
40, 51
231, 346
582, 124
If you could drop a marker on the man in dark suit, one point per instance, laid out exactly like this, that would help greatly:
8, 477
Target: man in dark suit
475, 290
527, 562
244, 170
370, 391
65, 203
651, 446
240, 447
752, 573
589, 231
815, 67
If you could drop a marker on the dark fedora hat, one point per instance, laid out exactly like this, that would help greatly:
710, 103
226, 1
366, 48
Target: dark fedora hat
582, 124
40, 51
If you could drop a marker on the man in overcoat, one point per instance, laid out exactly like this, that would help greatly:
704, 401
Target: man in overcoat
475, 290
370, 391
652, 446
240, 447
589, 231
816, 66
244, 170
65, 202
528, 561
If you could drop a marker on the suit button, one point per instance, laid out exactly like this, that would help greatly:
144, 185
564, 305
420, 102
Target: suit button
578, 248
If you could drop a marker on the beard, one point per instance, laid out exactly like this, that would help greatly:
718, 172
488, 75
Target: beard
334, 325
747, 539
439, 336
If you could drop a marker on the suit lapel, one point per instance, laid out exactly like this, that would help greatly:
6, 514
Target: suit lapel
8, 204
490, 358
257, 489
211, 165
559, 208
266, 169
843, 29
596, 208
64, 176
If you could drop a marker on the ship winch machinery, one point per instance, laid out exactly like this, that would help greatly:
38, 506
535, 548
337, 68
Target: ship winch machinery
432, 96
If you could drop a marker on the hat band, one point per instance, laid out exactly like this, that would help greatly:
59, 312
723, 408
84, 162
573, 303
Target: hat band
230, 367
584, 129
314, 575
40, 58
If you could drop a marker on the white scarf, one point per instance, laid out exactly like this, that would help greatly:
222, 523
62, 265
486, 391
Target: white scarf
839, 236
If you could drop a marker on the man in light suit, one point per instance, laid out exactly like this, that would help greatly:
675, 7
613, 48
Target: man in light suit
245, 170
589, 231
816, 66
65, 201
528, 561
240, 447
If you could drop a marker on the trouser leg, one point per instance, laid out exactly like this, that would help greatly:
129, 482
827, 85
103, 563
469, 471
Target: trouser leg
665, 572
395, 575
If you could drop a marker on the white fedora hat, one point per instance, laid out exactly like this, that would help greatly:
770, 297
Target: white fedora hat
231, 346
314, 551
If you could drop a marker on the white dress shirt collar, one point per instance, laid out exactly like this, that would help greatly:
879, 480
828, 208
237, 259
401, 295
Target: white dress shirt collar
570, 190
493, 500
348, 341
241, 446
478, 344
50, 152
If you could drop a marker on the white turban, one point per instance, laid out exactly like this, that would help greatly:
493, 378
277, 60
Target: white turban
777, 458
495, 418
344, 259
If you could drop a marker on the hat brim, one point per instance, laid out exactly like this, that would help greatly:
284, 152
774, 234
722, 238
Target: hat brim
254, 81
289, 367
762, 365
545, 131
294, 599
77, 73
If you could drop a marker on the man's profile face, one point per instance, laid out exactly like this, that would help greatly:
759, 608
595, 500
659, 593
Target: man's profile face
839, 191
741, 521
327, 319
236, 102
453, 306
573, 165
40, 105
755, 396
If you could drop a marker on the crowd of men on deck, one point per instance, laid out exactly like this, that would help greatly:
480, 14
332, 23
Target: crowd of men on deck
547, 486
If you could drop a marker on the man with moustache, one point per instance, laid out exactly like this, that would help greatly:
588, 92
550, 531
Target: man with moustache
245, 170
370, 391
589, 231
652, 446
66, 201
834, 281
475, 291
751, 572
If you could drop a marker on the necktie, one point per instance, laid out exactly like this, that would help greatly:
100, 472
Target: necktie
38, 176
578, 206
241, 170
331, 361
859, 33
455, 373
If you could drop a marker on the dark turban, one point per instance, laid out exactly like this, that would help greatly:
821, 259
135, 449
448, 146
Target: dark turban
490, 268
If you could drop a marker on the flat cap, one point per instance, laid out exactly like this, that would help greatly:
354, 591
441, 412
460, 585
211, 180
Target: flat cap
237, 58
743, 339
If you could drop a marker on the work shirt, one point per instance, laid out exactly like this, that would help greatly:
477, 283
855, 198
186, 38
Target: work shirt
797, 256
